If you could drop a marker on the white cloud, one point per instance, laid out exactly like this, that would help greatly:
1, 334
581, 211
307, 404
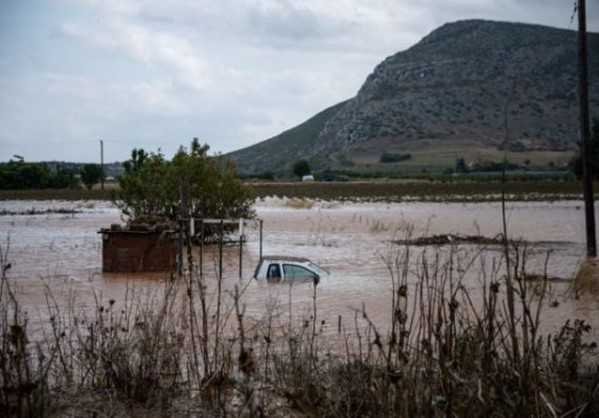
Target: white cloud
93, 99
165, 51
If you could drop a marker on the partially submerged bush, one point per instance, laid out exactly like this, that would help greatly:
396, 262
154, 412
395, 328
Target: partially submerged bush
155, 190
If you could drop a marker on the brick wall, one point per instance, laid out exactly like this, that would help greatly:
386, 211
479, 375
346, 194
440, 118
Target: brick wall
138, 251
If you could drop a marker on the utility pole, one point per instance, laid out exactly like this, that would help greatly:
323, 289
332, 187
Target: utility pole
102, 162
585, 132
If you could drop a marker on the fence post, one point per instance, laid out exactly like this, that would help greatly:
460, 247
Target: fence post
202, 250
220, 251
260, 239
240, 248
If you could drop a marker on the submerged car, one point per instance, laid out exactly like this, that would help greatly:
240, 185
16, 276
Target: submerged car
285, 268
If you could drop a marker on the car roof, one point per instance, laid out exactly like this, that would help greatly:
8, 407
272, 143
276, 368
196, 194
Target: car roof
284, 258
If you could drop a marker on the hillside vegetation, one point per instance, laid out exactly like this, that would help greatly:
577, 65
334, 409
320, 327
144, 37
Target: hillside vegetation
450, 96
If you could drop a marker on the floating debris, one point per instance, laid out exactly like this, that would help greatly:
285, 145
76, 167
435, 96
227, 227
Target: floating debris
452, 239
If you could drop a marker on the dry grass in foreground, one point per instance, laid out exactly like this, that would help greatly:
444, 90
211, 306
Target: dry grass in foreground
189, 350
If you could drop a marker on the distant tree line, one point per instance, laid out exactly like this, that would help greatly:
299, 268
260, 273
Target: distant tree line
16, 175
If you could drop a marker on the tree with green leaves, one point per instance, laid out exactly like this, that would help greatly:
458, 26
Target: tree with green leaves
91, 174
16, 175
143, 196
301, 168
575, 163
460, 166
151, 187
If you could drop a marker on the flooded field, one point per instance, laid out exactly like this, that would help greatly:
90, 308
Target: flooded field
56, 249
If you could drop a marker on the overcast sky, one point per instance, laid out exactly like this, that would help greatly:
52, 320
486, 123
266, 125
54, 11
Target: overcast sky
155, 74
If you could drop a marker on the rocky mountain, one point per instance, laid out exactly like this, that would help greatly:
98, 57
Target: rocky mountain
467, 89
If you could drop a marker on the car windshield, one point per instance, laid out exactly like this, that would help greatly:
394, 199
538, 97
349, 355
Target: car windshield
319, 270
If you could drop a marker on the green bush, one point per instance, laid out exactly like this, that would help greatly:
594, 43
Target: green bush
387, 157
152, 189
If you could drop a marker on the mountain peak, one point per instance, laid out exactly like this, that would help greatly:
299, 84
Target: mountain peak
449, 95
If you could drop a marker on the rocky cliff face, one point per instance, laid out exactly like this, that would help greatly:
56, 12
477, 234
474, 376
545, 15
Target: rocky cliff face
474, 82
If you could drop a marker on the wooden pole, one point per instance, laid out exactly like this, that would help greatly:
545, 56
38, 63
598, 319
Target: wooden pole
202, 250
260, 239
240, 248
181, 228
585, 133
102, 162
220, 251
240, 256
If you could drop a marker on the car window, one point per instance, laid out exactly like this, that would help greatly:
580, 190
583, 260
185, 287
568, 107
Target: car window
274, 272
297, 272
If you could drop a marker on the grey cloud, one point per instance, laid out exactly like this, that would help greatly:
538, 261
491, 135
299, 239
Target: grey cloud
290, 23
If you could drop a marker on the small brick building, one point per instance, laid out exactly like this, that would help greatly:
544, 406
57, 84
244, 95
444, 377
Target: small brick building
138, 248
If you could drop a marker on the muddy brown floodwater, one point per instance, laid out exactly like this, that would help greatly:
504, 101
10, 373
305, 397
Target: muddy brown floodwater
61, 253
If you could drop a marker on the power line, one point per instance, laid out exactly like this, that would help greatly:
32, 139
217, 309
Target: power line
16, 144
52, 143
